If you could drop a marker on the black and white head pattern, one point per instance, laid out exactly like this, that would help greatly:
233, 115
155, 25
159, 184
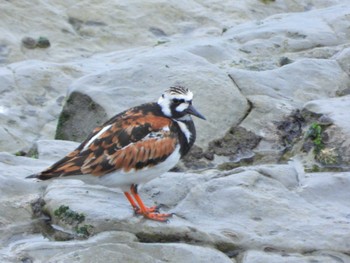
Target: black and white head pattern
175, 102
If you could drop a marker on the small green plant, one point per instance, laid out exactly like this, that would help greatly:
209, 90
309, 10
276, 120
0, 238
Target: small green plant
161, 42
74, 219
267, 1
84, 230
315, 134
20, 153
69, 216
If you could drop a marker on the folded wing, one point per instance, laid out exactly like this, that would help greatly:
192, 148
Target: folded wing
123, 143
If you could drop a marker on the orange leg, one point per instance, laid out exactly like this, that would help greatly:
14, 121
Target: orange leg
132, 202
141, 209
153, 209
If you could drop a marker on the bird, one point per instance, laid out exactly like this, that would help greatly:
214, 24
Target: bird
134, 147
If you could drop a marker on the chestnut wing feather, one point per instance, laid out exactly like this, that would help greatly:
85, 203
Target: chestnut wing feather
129, 141
137, 155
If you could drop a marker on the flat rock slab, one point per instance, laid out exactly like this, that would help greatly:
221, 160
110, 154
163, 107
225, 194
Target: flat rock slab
254, 256
118, 247
338, 142
143, 78
265, 213
263, 208
335, 108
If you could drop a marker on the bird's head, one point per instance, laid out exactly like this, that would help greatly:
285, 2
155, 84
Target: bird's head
176, 103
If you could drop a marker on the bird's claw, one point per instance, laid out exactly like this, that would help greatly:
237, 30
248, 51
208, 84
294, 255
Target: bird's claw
153, 213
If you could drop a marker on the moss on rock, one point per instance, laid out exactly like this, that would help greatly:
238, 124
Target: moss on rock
80, 115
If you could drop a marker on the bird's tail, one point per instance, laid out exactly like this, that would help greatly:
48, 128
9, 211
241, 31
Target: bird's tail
44, 175
68, 165
37, 175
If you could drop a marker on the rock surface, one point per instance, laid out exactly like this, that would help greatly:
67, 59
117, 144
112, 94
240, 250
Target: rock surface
242, 213
271, 77
133, 80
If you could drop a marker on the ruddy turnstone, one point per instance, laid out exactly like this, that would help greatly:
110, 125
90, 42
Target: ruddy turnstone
134, 147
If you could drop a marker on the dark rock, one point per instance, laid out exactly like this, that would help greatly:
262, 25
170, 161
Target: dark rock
29, 42
236, 142
284, 61
195, 159
76, 23
157, 32
43, 42
80, 115
290, 129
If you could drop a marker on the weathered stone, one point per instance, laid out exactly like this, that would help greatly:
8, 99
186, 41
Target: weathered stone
76, 127
116, 55
284, 257
155, 72
32, 96
336, 152
115, 246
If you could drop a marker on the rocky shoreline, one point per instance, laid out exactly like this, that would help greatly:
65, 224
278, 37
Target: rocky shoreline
268, 178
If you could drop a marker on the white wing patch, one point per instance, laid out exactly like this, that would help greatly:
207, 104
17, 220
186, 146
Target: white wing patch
157, 134
96, 137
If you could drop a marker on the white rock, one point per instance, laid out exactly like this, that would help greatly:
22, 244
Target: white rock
143, 78
334, 197
81, 29
275, 94
287, 32
254, 211
223, 210
16, 196
33, 93
338, 142
244, 209
118, 246
282, 257
316, 79
343, 59
335, 108
54, 150
285, 174
261, 210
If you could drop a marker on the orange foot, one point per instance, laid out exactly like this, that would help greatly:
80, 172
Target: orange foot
158, 216
152, 213
140, 209
152, 209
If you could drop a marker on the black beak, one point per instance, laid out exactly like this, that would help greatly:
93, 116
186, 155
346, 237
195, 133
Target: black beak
191, 110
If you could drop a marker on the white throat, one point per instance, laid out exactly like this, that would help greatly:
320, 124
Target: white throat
184, 129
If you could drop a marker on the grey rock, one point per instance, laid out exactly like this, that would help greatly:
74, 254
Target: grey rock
283, 33
156, 71
281, 257
296, 214
53, 150
344, 61
118, 55
16, 196
287, 174
334, 108
228, 199
337, 146
30, 102
115, 246
80, 30
275, 94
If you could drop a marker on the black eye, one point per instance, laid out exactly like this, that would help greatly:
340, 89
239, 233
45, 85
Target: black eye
177, 101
